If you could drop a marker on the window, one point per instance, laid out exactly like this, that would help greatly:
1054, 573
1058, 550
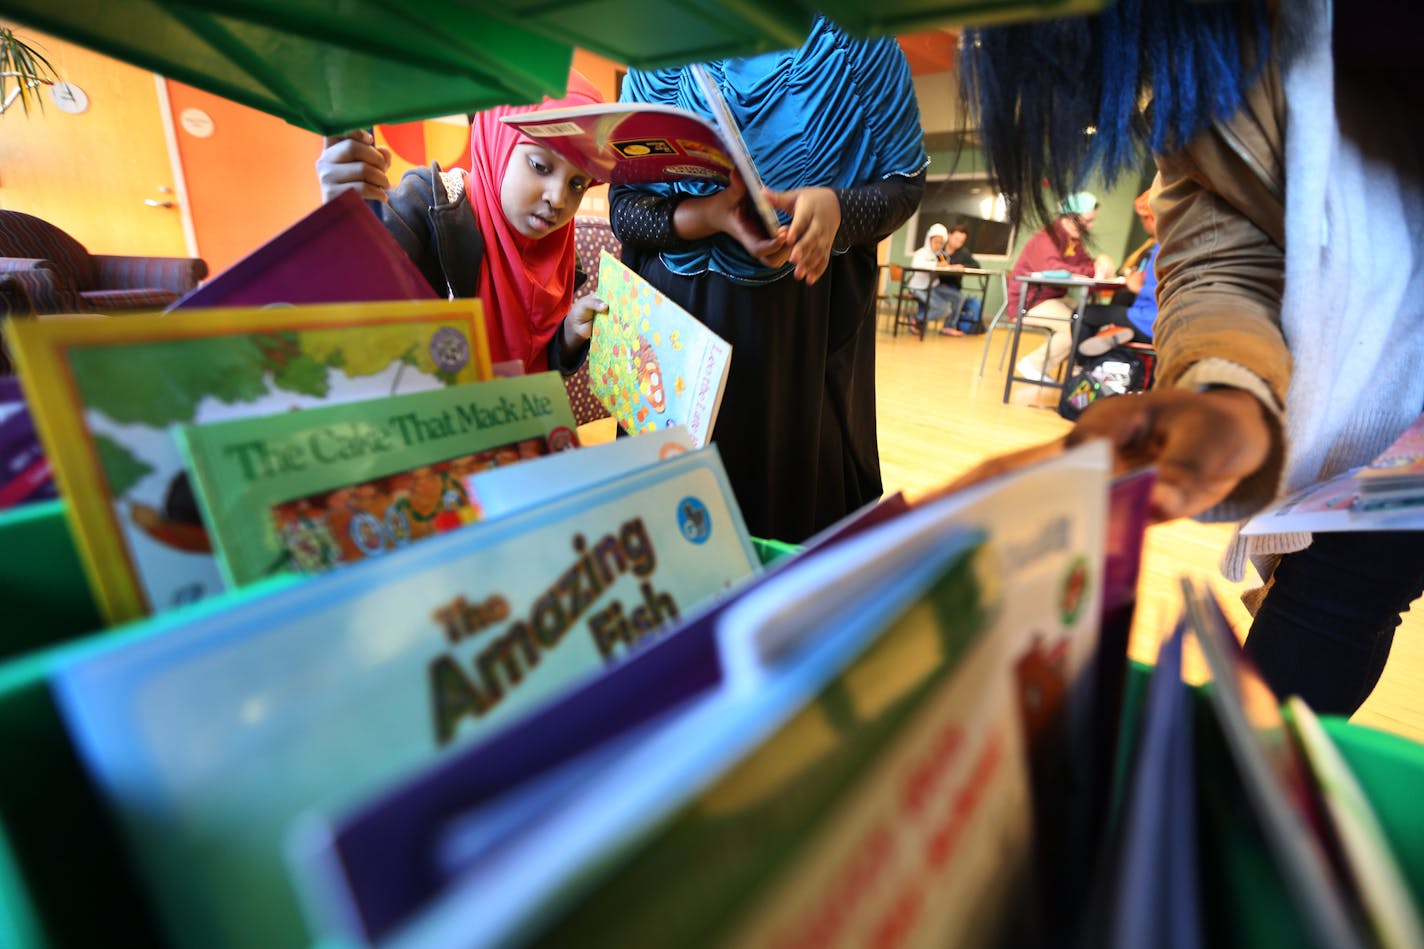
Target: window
969, 200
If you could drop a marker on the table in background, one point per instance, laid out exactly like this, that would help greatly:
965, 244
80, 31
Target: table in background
905, 273
1084, 286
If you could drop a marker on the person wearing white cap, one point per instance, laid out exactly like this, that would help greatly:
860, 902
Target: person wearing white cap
1059, 246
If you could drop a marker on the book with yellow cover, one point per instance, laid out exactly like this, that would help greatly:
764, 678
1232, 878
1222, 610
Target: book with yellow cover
107, 390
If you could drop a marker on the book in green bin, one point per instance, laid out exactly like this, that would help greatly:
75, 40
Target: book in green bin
309, 490
208, 731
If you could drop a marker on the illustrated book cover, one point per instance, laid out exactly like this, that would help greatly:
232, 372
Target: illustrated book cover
650, 362
339, 253
208, 731
330, 485
613, 766
633, 143
106, 391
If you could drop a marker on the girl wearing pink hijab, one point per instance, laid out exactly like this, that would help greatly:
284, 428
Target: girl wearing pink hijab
498, 231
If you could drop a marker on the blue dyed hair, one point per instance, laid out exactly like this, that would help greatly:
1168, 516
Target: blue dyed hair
1035, 89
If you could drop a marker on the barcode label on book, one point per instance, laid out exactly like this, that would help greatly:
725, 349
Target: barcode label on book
560, 128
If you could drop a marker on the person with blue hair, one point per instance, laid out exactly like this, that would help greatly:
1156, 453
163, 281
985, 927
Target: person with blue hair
833, 127
1289, 204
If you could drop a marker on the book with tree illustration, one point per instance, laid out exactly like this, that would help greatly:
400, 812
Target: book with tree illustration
106, 392
337, 483
209, 730
651, 363
632, 143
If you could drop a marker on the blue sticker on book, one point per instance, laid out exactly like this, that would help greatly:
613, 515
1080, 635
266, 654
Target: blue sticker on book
450, 349
694, 520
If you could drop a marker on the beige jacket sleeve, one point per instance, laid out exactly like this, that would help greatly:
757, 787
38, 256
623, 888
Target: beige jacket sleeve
1220, 212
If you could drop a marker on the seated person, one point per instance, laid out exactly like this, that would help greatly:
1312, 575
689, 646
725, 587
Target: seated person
1059, 246
940, 297
1130, 317
934, 303
957, 257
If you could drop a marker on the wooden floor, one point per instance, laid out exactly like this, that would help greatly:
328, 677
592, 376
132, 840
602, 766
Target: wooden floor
938, 418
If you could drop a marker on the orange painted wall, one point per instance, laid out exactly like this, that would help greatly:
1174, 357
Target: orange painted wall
603, 73
250, 179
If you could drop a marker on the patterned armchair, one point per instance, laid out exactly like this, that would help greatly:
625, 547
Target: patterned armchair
591, 235
56, 274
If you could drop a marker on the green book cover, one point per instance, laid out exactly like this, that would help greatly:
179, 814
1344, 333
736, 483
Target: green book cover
312, 489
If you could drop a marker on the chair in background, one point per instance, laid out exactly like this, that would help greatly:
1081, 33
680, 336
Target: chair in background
61, 276
592, 235
906, 303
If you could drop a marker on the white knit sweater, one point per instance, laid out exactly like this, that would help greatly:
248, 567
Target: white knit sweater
1353, 307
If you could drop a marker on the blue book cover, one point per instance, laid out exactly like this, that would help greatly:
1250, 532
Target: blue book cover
211, 734
535, 816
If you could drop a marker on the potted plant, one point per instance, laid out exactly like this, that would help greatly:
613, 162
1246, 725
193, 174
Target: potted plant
23, 65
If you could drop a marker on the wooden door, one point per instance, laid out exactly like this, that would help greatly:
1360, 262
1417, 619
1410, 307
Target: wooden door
104, 174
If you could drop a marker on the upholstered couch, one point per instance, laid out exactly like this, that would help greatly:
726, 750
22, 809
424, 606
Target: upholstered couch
54, 273
591, 235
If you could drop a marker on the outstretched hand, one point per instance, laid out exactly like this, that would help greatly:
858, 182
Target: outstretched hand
1203, 444
353, 162
815, 219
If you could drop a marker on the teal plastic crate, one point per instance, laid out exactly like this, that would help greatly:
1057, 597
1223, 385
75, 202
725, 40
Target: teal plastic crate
42, 584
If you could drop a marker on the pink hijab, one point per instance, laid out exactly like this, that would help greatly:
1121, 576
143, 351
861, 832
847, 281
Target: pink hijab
526, 285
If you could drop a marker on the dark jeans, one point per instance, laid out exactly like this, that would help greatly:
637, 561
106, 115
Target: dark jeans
1098, 315
1326, 625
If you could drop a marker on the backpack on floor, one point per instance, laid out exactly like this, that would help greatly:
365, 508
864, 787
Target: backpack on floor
969, 321
1116, 372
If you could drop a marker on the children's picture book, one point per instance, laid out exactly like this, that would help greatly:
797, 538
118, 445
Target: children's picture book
106, 391
338, 253
1273, 775
501, 490
25, 473
1389, 908
632, 143
643, 741
1336, 504
209, 730
650, 362
334, 484
1397, 473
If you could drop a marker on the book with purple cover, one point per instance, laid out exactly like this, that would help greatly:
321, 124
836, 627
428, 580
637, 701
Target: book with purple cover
339, 253
25, 473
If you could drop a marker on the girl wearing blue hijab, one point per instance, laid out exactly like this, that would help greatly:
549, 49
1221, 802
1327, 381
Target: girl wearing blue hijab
833, 127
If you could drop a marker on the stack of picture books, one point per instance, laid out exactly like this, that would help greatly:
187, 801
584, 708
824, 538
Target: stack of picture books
1386, 494
1395, 479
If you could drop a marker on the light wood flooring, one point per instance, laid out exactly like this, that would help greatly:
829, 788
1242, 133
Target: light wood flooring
938, 418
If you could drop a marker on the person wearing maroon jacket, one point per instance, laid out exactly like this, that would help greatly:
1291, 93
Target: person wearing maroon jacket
1059, 246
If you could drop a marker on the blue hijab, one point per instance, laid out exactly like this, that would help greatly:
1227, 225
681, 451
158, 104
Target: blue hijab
837, 112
